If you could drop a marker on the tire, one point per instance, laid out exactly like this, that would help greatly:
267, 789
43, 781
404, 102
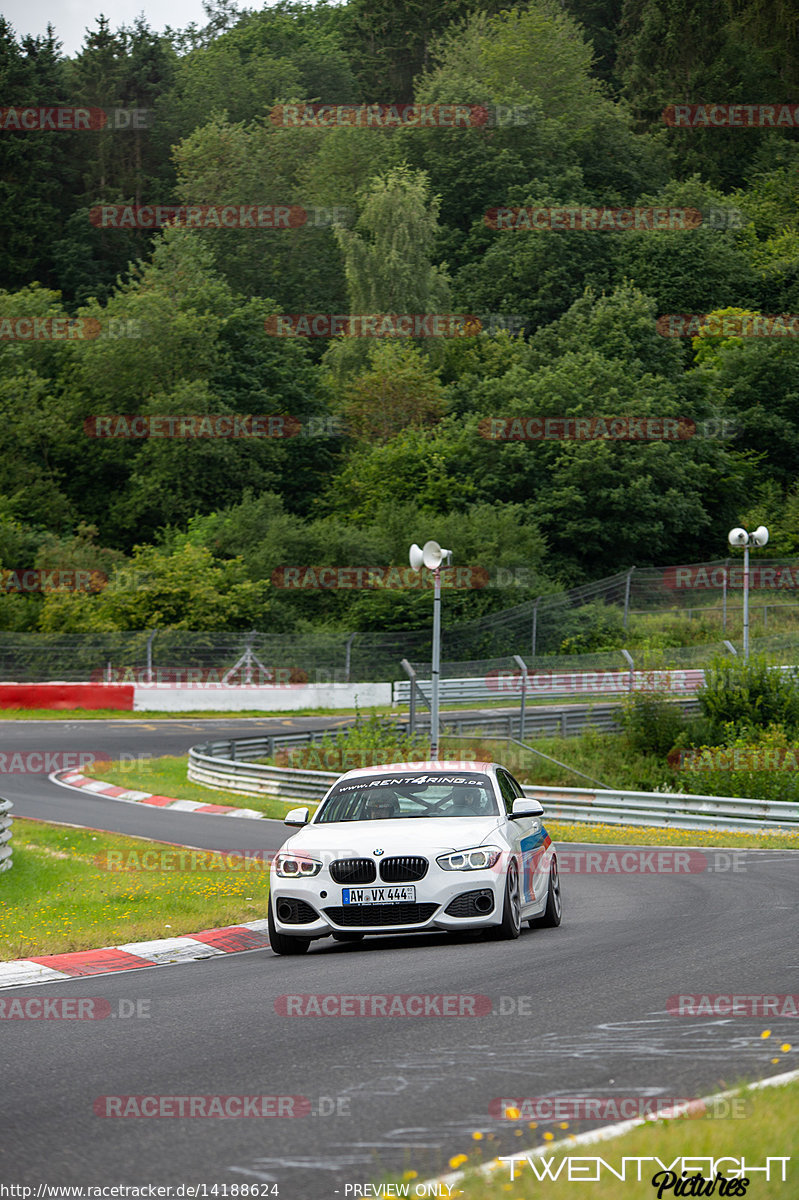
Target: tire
553, 912
511, 925
348, 937
283, 943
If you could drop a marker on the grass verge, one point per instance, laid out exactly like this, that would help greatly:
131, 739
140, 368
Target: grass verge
166, 776
769, 1129
105, 714
60, 894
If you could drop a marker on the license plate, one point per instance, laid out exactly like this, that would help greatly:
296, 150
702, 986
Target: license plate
379, 895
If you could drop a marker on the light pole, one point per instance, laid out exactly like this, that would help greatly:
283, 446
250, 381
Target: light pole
431, 556
739, 537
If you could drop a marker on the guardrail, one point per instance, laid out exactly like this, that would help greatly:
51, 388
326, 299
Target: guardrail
665, 810
5, 835
226, 764
498, 685
567, 721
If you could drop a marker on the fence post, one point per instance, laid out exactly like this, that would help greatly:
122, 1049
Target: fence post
409, 671
150, 640
5, 835
348, 657
521, 663
631, 664
627, 596
535, 624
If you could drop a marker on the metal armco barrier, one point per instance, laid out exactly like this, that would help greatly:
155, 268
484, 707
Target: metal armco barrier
567, 721
5, 835
506, 685
666, 810
220, 764
226, 764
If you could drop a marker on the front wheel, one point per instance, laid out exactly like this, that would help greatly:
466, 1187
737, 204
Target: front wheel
283, 943
554, 909
511, 925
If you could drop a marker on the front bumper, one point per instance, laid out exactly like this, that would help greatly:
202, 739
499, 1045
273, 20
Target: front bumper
316, 909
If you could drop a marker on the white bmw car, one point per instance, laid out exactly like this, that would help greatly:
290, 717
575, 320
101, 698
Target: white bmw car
411, 847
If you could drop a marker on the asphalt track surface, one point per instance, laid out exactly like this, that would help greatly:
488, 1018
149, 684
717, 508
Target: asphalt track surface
579, 1011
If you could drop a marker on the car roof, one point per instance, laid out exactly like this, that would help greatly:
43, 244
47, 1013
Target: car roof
442, 765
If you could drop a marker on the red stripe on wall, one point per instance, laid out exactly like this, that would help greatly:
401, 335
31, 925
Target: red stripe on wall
67, 695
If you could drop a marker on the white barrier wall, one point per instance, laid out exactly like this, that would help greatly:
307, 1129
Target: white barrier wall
212, 697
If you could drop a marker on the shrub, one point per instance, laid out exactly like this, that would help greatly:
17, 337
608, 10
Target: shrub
744, 697
651, 722
762, 766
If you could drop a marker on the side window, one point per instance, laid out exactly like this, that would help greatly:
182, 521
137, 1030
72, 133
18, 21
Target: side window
507, 789
517, 787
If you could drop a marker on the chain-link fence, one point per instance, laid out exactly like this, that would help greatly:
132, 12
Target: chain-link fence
559, 627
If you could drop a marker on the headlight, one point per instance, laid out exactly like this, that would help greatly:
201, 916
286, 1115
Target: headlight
477, 859
296, 866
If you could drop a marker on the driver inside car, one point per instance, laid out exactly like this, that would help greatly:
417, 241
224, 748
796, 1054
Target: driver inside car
382, 807
467, 802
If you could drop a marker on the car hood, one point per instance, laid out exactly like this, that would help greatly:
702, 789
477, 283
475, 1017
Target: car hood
409, 835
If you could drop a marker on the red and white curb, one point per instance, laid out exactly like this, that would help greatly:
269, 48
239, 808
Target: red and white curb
81, 783
208, 943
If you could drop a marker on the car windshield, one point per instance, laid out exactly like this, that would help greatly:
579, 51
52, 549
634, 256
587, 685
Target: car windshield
388, 797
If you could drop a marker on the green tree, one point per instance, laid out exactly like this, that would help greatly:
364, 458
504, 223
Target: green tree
186, 589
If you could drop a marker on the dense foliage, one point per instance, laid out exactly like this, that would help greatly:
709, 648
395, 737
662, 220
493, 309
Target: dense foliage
391, 437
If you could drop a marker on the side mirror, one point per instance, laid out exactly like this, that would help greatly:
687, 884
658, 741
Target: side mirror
525, 806
296, 816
